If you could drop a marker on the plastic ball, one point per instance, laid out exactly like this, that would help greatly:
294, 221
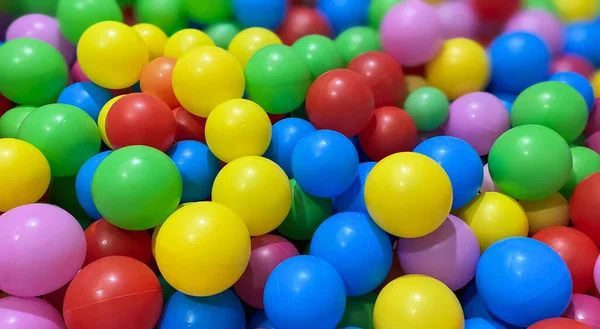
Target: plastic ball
572, 63
595, 81
210, 69
207, 11
457, 19
390, 130
154, 38
164, 14
474, 307
206, 234
478, 323
357, 41
576, 10
559, 323
76, 16
102, 119
378, 9
22, 313
359, 312
546, 213
222, 33
77, 74
285, 136
494, 11
156, 80
184, 40
86, 96
580, 40
582, 212
268, 14
385, 76
353, 199
301, 281
83, 184
189, 126
320, 54
259, 320
413, 301
579, 83
131, 295
344, 14
540, 23
584, 309
585, 163
303, 21
597, 274
11, 121
104, 240
249, 41
429, 108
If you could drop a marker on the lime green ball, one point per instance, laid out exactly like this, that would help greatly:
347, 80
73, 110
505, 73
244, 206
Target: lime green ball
62, 193
378, 9
546, 5
11, 120
552, 104
277, 79
358, 40
585, 163
320, 54
530, 162
166, 14
208, 11
429, 107
359, 311
136, 187
75, 16
65, 134
32, 72
222, 33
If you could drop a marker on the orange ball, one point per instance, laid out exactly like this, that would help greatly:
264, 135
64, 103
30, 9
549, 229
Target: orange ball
156, 80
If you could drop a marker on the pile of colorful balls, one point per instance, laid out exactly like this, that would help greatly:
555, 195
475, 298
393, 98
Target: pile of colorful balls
262, 164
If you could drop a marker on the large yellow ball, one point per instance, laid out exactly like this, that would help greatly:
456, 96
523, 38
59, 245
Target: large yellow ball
184, 40
112, 55
102, 119
202, 249
545, 213
576, 10
154, 38
249, 41
24, 173
408, 194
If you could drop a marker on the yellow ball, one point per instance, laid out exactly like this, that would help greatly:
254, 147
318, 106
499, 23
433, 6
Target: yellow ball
257, 189
112, 55
249, 41
202, 249
461, 67
595, 80
154, 38
408, 194
157, 229
417, 302
414, 82
494, 216
237, 128
184, 40
102, 119
545, 213
205, 77
576, 10
24, 173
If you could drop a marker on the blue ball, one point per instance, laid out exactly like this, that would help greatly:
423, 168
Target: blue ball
579, 83
304, 292
523, 281
519, 60
344, 14
260, 13
473, 307
259, 320
581, 38
507, 100
86, 96
223, 311
284, 137
83, 184
362, 156
460, 161
325, 163
478, 323
353, 199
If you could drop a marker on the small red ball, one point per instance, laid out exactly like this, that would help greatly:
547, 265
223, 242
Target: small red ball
494, 10
156, 80
104, 239
189, 126
302, 21
572, 63
583, 207
391, 130
559, 323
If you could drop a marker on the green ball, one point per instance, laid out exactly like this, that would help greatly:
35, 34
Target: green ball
22, 7
359, 311
356, 41
320, 54
546, 5
552, 104
585, 163
378, 9
136, 187
429, 107
165, 14
12, 119
62, 193
208, 11
277, 79
222, 33
32, 72
530, 162
75, 16
306, 214
65, 134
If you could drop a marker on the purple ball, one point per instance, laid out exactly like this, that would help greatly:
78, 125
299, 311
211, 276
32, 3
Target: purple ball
29, 313
458, 20
540, 23
478, 118
593, 142
44, 28
449, 254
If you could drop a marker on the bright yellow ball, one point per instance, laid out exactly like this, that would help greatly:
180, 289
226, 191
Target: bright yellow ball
414, 82
494, 216
595, 80
112, 55
545, 213
202, 249
249, 41
24, 173
102, 119
576, 10
184, 40
461, 67
417, 302
408, 194
154, 38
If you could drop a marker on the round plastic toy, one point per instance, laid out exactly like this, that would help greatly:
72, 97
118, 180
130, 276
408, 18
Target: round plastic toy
542, 290
319, 53
268, 14
353, 199
597, 274
300, 281
344, 14
378, 9
131, 295
44, 247
573, 63
210, 69
222, 33
11, 121
540, 23
579, 83
77, 74
209, 235
207, 11
519, 159
136, 187
356, 41
559, 323
390, 130
494, 11
474, 307
585, 163
76, 16
223, 311
285, 136
198, 168
83, 184
397, 185
457, 19
33, 72
18, 312
154, 38
578, 10
581, 210
584, 308
412, 301
593, 124
102, 118
385, 76
184, 40
259, 320
478, 323
86, 96
165, 14
579, 40
249, 41
545, 213
104, 240
494, 216
189, 126
303, 21
429, 108
156, 80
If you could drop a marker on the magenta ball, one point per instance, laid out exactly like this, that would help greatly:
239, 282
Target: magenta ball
458, 20
593, 124
77, 74
44, 28
584, 308
43, 247
449, 254
268, 251
488, 184
28, 313
572, 63
540, 23
593, 142
411, 32
597, 274
478, 118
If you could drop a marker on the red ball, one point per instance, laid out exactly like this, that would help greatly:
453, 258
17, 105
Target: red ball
391, 130
114, 292
593, 124
140, 119
188, 126
104, 239
57, 298
583, 207
559, 323
340, 100
274, 118
494, 10
384, 75
156, 80
572, 63
577, 250
303, 21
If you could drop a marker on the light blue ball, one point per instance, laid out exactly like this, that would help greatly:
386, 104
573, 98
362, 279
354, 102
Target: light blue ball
344, 14
83, 184
86, 96
284, 137
268, 14
474, 308
259, 320
581, 38
353, 199
579, 83
478, 323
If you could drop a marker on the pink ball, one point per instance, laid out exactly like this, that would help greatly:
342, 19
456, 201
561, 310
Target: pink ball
44, 28
43, 247
411, 32
593, 124
478, 118
77, 74
597, 274
458, 20
268, 251
593, 142
584, 308
541, 23
28, 313
572, 63
488, 184
449, 254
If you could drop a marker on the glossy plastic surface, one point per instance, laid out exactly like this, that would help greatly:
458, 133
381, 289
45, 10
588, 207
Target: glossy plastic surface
104, 240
